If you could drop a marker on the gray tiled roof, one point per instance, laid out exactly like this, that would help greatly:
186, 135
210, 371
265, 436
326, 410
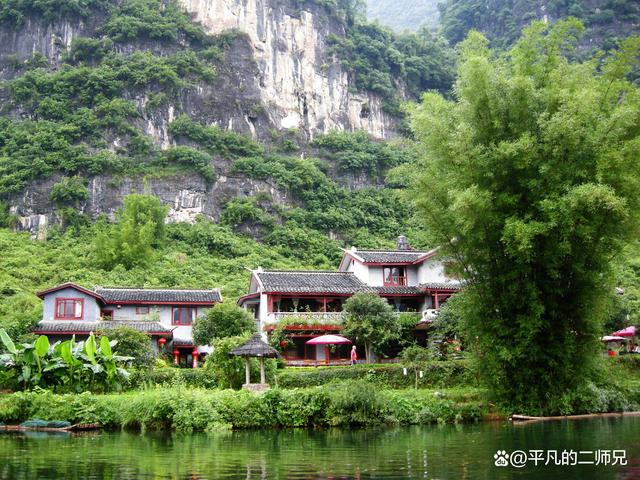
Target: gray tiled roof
389, 256
311, 282
115, 295
399, 290
450, 285
71, 326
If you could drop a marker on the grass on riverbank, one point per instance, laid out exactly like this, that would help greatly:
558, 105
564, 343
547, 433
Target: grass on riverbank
190, 409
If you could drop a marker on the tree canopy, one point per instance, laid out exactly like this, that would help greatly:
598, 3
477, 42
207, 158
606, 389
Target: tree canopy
221, 321
530, 184
140, 228
370, 320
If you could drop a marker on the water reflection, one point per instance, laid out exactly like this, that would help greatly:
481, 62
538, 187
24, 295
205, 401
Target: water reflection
464, 452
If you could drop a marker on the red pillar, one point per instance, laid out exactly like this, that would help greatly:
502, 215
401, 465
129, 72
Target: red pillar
194, 355
437, 302
176, 354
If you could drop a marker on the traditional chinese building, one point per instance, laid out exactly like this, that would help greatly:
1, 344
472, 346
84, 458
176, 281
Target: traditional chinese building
165, 315
307, 304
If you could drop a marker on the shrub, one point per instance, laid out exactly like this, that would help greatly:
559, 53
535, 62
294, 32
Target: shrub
224, 143
133, 343
238, 211
69, 191
435, 374
191, 158
355, 403
171, 376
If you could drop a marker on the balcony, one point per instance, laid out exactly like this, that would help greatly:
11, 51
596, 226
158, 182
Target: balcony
395, 281
306, 318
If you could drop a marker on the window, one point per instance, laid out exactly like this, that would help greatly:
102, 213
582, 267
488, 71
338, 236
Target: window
183, 315
69, 308
142, 310
394, 276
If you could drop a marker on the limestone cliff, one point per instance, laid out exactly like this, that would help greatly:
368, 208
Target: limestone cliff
276, 76
301, 85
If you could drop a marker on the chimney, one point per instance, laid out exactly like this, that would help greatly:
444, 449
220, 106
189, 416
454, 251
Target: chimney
402, 243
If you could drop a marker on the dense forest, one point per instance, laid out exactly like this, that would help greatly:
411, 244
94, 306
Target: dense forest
502, 20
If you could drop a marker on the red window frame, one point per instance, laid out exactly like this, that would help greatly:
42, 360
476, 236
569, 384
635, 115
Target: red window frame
180, 315
140, 312
401, 277
64, 301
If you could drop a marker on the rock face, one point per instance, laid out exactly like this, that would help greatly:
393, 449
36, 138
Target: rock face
277, 75
300, 84
186, 195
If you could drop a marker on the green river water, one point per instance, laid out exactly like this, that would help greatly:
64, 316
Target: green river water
431, 452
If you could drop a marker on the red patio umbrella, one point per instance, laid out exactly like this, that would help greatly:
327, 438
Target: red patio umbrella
625, 332
328, 340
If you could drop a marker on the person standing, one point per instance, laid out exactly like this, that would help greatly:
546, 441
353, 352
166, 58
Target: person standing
354, 355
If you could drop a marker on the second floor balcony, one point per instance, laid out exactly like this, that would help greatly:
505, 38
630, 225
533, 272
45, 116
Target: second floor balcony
306, 318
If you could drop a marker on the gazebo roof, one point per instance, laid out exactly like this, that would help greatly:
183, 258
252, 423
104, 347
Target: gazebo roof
254, 347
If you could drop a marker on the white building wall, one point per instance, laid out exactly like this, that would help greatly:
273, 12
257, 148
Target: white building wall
431, 271
412, 276
375, 277
263, 314
360, 271
91, 311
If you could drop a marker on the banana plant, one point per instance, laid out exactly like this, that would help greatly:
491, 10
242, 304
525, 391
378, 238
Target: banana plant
67, 365
30, 359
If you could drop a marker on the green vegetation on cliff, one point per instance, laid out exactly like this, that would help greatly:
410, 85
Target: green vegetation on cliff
607, 21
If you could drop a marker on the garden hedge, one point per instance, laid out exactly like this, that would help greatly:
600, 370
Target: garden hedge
435, 374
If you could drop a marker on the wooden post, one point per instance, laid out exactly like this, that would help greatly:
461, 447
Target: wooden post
247, 370
262, 377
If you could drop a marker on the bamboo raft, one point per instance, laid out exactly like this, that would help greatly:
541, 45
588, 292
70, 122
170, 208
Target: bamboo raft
528, 418
78, 427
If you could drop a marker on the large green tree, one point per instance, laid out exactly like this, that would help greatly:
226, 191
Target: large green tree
139, 230
221, 321
370, 320
530, 184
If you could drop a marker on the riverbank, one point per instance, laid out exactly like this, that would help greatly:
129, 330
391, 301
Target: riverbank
192, 409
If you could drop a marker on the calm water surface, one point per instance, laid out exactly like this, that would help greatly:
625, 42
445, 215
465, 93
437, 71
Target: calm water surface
446, 452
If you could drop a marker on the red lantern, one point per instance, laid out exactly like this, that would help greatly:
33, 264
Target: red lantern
283, 343
162, 341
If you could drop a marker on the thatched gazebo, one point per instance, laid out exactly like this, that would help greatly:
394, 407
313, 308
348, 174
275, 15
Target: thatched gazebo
254, 347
